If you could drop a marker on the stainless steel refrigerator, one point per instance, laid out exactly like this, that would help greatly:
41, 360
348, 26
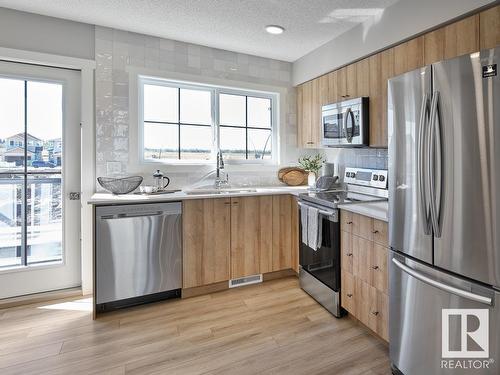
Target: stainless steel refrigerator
444, 228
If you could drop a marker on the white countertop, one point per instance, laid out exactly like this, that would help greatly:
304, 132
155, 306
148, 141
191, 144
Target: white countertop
108, 198
376, 210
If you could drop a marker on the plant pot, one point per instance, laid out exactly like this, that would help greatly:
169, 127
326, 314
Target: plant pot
311, 180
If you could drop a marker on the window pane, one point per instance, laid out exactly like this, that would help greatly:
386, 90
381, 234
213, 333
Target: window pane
44, 138
232, 143
161, 141
44, 219
259, 144
196, 142
11, 222
196, 107
232, 110
161, 103
259, 112
11, 124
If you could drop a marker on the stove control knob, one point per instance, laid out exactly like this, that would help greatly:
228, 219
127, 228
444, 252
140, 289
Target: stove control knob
375, 177
381, 178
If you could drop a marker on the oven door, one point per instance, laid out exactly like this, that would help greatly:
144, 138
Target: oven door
324, 263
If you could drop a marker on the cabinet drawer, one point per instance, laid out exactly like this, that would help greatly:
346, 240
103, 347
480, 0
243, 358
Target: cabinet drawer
346, 222
346, 251
348, 289
378, 268
378, 317
372, 308
362, 226
380, 232
363, 250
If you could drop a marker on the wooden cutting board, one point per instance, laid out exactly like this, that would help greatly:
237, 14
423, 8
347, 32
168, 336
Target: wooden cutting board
293, 176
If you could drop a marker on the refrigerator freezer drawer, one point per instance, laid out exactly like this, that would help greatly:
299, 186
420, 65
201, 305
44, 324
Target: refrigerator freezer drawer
437, 319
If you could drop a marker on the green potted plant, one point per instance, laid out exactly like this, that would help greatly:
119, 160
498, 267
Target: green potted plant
312, 164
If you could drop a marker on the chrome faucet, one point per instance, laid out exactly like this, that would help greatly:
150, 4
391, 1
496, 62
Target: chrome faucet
221, 177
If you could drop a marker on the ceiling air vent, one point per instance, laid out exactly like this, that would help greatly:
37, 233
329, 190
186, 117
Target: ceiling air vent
247, 280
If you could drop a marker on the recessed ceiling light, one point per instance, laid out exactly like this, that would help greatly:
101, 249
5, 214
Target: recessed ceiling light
274, 29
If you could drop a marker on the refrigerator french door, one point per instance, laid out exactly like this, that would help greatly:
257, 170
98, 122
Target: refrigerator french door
444, 182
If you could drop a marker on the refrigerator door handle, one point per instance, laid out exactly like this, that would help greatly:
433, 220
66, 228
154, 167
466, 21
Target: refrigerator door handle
434, 165
421, 173
447, 288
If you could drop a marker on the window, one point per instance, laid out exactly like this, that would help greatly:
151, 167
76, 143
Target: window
183, 122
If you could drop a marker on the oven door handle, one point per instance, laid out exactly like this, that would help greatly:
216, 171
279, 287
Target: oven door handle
323, 212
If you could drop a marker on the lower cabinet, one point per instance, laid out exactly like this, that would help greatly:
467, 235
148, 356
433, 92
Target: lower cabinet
364, 273
206, 241
229, 238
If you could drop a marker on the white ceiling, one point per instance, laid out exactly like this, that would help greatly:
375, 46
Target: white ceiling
235, 25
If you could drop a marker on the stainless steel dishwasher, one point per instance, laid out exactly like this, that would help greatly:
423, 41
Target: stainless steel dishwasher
138, 254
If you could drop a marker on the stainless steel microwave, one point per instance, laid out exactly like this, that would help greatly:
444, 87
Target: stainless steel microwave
345, 124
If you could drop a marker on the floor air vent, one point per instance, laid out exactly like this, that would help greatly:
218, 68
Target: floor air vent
247, 280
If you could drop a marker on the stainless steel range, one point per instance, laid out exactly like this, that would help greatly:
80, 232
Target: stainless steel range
319, 234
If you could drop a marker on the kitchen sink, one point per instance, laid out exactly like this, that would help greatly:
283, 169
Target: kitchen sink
219, 191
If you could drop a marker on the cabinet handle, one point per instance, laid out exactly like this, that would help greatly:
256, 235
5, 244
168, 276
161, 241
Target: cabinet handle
349, 295
375, 231
310, 143
349, 254
349, 222
375, 313
227, 202
375, 267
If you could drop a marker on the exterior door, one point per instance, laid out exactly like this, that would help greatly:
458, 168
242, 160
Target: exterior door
467, 170
39, 166
408, 114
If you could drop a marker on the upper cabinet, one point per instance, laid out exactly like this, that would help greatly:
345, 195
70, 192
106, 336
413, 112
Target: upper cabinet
308, 113
456, 39
489, 30
368, 77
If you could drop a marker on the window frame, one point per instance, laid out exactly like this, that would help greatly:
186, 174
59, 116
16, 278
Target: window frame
216, 91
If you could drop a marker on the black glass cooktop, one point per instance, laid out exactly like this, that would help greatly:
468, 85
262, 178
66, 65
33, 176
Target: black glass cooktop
335, 197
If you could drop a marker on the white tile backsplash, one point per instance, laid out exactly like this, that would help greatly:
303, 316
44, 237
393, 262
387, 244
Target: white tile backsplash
116, 50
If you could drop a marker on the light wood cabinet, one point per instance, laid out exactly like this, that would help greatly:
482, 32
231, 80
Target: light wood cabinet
409, 56
206, 241
229, 238
364, 273
363, 78
375, 102
251, 235
456, 39
489, 31
282, 207
332, 87
308, 99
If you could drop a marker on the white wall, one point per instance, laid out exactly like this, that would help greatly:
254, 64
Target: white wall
32, 32
398, 22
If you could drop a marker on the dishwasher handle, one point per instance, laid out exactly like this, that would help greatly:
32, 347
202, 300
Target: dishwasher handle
437, 284
132, 215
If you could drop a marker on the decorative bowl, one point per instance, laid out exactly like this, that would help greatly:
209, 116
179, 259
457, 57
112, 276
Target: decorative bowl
123, 185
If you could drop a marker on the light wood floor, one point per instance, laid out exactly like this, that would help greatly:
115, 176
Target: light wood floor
270, 328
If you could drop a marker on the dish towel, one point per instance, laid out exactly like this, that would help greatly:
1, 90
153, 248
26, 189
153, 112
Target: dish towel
303, 221
313, 228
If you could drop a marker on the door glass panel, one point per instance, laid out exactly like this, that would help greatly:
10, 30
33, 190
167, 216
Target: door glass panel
44, 123
44, 218
11, 220
11, 124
